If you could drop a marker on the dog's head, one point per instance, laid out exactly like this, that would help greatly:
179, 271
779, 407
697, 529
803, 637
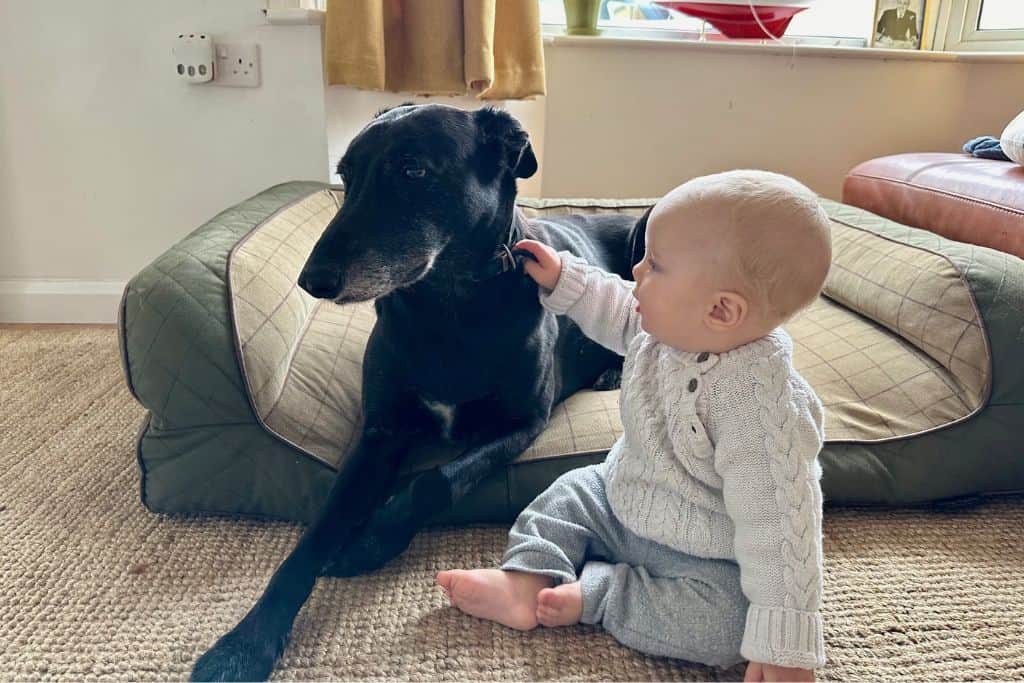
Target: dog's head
420, 181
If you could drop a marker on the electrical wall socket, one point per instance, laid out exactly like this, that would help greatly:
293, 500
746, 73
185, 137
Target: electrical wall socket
237, 65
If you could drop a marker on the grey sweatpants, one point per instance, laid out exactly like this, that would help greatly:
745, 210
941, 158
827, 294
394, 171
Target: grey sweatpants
650, 597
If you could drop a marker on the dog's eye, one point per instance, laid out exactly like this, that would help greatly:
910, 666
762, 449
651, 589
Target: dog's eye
415, 172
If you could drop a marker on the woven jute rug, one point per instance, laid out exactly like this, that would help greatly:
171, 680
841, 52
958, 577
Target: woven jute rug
94, 587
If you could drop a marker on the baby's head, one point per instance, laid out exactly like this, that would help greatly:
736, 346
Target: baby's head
731, 256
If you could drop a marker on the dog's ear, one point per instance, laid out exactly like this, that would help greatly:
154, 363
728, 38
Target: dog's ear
504, 139
638, 239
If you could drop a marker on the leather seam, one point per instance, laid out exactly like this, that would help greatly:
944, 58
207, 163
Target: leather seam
943, 193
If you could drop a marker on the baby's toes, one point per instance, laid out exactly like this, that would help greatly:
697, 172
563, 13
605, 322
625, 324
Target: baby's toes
548, 598
444, 579
547, 617
448, 581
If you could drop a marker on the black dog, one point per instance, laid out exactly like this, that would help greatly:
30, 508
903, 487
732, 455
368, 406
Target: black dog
461, 345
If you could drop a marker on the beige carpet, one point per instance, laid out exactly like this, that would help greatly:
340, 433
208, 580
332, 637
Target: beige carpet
92, 586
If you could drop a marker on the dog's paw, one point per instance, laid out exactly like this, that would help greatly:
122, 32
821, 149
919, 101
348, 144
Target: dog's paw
235, 657
610, 379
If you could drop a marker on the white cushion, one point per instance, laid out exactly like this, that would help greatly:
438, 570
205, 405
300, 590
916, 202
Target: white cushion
1012, 139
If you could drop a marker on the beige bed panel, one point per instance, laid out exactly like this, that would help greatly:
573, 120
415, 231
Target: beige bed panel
894, 348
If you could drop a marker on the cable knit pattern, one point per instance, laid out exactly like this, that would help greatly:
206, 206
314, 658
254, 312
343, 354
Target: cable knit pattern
793, 489
601, 303
718, 459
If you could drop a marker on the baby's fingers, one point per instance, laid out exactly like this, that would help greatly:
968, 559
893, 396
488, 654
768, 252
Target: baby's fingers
548, 265
542, 253
534, 270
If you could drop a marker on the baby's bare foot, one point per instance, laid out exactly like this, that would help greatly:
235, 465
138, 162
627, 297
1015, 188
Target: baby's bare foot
507, 597
560, 606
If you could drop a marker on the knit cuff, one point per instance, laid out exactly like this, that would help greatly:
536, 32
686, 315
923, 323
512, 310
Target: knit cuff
537, 562
784, 637
570, 285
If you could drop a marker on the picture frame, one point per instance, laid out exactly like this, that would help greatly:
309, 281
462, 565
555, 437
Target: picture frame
899, 24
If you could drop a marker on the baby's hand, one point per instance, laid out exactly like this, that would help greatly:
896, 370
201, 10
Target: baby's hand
547, 268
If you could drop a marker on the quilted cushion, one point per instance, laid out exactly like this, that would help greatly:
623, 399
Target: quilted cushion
897, 349
1012, 139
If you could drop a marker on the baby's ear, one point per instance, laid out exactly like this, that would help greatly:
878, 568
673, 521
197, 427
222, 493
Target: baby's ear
727, 311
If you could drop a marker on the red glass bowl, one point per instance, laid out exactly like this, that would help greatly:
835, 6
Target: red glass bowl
737, 21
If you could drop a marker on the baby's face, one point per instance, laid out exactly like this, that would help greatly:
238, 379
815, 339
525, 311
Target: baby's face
676, 280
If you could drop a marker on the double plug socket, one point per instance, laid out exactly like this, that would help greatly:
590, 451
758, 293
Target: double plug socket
198, 59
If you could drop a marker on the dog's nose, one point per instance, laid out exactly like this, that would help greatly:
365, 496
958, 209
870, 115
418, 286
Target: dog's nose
320, 281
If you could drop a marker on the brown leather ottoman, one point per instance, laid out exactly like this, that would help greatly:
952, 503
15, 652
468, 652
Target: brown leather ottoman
980, 201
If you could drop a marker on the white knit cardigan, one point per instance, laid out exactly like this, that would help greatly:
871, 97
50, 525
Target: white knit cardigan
718, 459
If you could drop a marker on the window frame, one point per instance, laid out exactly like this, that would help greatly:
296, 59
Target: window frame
958, 30
954, 22
690, 36
707, 34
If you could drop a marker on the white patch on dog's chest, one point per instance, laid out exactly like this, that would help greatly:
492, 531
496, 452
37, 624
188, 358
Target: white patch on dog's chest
445, 412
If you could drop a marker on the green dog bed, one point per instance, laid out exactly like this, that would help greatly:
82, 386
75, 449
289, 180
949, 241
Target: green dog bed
253, 387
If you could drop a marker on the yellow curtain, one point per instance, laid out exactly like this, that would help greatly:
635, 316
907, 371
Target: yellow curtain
490, 48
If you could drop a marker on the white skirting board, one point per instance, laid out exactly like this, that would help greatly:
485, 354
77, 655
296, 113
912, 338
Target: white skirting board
59, 301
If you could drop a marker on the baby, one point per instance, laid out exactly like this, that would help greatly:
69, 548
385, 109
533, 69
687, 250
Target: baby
699, 537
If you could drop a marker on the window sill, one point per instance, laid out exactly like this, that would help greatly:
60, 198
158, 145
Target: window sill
758, 48
295, 17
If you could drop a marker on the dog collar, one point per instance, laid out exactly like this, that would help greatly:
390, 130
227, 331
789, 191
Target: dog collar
506, 258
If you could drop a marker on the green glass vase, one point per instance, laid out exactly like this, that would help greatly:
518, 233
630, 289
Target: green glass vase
581, 17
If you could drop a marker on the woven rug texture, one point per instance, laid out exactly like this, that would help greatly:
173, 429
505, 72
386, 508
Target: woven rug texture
95, 587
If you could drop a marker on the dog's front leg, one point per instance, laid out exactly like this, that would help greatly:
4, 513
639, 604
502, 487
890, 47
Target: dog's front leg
394, 524
248, 651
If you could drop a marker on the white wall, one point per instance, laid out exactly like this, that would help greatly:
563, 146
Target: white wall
992, 97
627, 121
106, 159
634, 121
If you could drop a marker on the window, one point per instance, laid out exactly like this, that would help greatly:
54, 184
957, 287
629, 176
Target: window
826, 22
999, 15
982, 25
